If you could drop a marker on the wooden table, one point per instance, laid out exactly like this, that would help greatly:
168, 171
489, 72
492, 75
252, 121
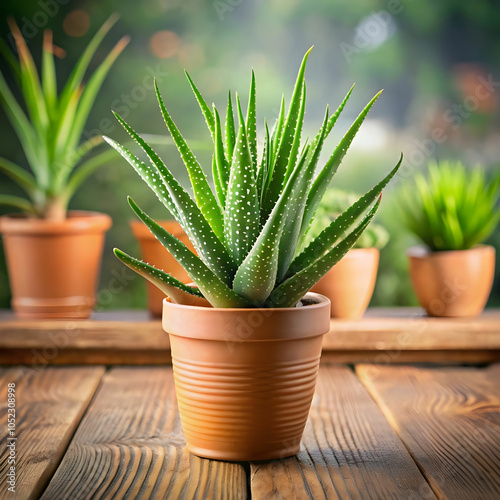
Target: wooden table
374, 431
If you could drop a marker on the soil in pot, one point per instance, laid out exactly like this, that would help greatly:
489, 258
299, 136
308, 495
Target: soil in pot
350, 283
154, 253
54, 265
245, 378
455, 283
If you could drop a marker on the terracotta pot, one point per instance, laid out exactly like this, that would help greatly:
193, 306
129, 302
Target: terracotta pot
154, 253
455, 283
245, 378
349, 284
54, 265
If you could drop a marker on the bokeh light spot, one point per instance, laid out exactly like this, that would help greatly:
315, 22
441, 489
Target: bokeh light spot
164, 44
76, 23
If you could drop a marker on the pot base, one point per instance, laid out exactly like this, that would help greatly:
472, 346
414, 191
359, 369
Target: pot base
236, 456
63, 308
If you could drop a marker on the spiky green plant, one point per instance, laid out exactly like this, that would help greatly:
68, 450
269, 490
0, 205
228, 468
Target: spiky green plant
453, 208
247, 230
334, 203
51, 131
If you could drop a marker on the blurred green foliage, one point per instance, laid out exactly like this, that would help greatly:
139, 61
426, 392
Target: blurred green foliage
452, 207
437, 61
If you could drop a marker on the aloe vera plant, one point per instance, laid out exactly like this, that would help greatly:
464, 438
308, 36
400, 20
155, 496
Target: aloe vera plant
50, 132
453, 208
248, 230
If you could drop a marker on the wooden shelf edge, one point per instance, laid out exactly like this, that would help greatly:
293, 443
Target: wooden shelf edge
387, 335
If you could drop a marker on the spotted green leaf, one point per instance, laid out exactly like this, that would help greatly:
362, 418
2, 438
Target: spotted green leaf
241, 215
325, 176
288, 293
212, 287
203, 194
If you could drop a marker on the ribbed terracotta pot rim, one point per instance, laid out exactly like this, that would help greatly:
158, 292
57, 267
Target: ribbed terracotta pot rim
423, 251
140, 230
77, 221
258, 324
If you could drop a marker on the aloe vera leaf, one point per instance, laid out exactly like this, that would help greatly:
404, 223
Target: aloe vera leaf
277, 132
24, 130
187, 213
217, 185
11, 60
241, 215
203, 194
18, 202
18, 174
291, 232
251, 121
89, 95
333, 119
76, 77
49, 80
61, 132
294, 152
207, 112
288, 293
222, 166
148, 173
213, 288
30, 82
327, 238
264, 164
35, 103
256, 277
169, 285
286, 142
230, 131
324, 178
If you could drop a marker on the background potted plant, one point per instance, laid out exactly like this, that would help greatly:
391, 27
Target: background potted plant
155, 254
245, 365
452, 211
53, 255
350, 283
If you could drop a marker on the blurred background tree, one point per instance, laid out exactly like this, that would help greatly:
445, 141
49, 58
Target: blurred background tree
437, 61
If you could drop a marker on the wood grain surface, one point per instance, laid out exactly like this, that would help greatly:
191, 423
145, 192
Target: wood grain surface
383, 336
130, 445
348, 451
449, 419
49, 405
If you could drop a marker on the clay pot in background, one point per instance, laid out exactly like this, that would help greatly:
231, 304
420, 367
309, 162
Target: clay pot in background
154, 253
454, 283
54, 265
350, 283
245, 378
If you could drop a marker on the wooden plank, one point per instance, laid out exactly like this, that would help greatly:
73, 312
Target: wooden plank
130, 445
449, 419
389, 357
383, 336
49, 405
348, 451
